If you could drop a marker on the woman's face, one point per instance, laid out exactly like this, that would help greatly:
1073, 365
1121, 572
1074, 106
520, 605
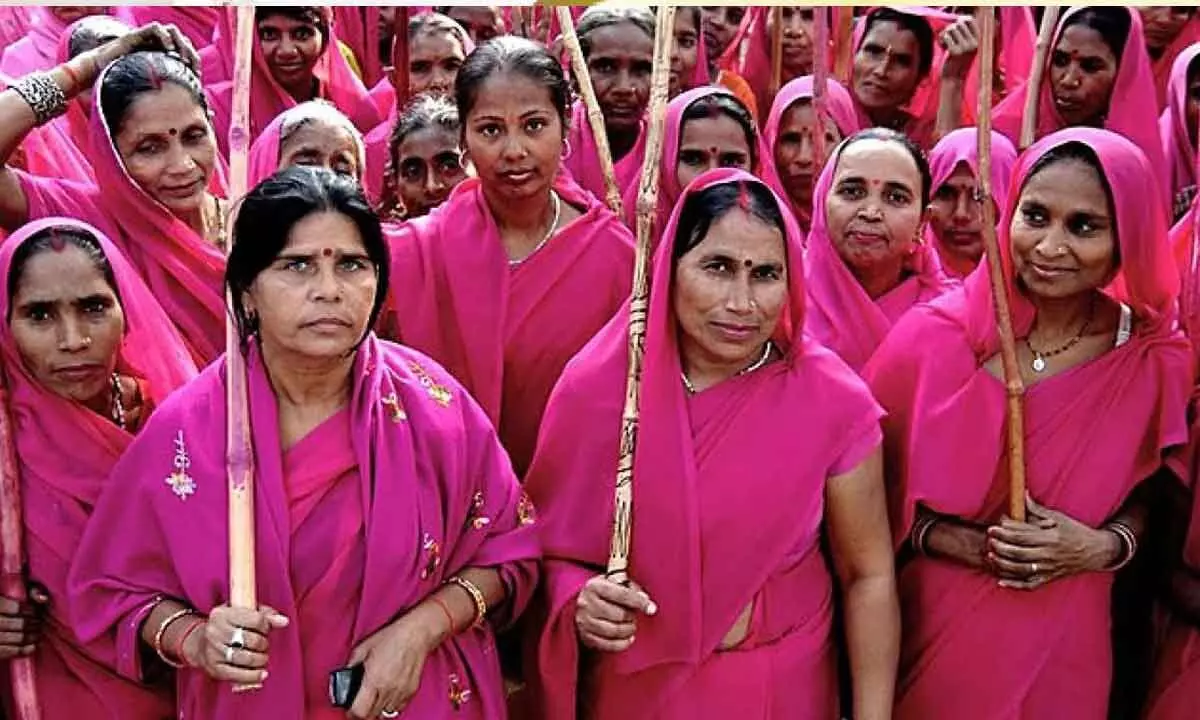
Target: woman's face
429, 165
1083, 71
874, 211
956, 216
887, 67
720, 25
291, 48
619, 65
317, 143
514, 137
1064, 238
482, 22
799, 37
433, 63
730, 290
711, 142
684, 52
314, 301
1161, 24
168, 147
67, 324
796, 158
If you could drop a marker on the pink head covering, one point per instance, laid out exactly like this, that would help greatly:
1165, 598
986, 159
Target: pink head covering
196, 22
842, 315
1172, 126
264, 153
1163, 65
35, 51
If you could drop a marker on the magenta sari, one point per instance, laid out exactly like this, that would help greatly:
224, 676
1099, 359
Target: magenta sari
583, 164
66, 452
264, 153
1173, 130
197, 22
1164, 66
1092, 434
713, 467
37, 49
359, 29
506, 333
357, 523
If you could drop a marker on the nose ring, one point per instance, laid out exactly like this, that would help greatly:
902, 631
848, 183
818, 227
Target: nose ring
87, 342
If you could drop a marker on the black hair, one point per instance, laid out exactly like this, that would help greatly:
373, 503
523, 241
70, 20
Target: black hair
423, 113
722, 103
602, 16
914, 150
1113, 24
510, 54
265, 219
912, 23
52, 238
1193, 69
92, 32
138, 73
311, 14
704, 208
1079, 152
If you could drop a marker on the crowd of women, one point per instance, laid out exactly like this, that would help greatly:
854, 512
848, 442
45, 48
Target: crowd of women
428, 285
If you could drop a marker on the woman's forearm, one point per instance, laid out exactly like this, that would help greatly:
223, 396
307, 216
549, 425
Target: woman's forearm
872, 611
956, 541
452, 609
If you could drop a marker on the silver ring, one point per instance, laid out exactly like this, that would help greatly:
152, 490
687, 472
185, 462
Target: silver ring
229, 650
237, 641
389, 714
1034, 569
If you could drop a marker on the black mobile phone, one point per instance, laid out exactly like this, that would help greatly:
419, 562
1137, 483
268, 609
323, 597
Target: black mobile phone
344, 685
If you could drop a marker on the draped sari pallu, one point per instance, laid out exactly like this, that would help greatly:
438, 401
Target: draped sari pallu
1173, 128
1163, 66
506, 333
583, 163
347, 539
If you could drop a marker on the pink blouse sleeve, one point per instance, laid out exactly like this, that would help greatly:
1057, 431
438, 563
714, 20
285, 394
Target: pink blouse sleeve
52, 197
868, 439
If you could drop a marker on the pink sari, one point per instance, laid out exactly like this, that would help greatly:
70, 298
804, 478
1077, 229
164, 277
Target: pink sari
37, 49
506, 333
961, 147
1163, 66
710, 466
1092, 434
185, 273
1129, 113
196, 22
841, 315
583, 163
66, 452
357, 523
14, 24
359, 29
1018, 40
264, 153
1172, 126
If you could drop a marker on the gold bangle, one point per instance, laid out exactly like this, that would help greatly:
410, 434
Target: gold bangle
481, 608
162, 631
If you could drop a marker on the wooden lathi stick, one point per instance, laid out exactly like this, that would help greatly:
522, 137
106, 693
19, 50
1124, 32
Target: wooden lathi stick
12, 561
612, 191
776, 50
639, 304
820, 79
1037, 76
239, 458
843, 20
1013, 384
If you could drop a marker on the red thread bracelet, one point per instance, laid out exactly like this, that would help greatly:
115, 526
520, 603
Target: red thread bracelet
177, 651
446, 612
66, 68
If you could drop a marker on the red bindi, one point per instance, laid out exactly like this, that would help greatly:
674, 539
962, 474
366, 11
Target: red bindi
327, 252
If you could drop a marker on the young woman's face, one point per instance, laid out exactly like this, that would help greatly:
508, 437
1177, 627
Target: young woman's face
799, 35
956, 217
619, 64
711, 142
291, 48
1083, 70
1161, 24
684, 52
720, 23
428, 166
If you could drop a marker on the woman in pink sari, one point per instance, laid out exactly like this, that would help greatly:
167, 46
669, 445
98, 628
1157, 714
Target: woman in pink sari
867, 260
39, 48
314, 134
391, 532
87, 354
512, 275
955, 212
689, 56
157, 171
425, 161
296, 58
1177, 128
1169, 29
732, 609
1007, 619
789, 135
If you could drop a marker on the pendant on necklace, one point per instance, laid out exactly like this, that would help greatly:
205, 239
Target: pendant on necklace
1039, 363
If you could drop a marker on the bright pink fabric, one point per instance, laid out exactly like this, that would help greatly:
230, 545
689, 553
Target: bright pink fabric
358, 26
583, 163
264, 153
1172, 126
841, 315
1092, 434
185, 272
398, 518
197, 22
216, 62
65, 453
14, 24
962, 146
708, 468
1129, 114
37, 49
506, 333
1018, 41
1163, 66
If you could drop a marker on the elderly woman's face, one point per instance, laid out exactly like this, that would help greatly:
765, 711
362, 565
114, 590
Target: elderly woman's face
619, 64
1064, 238
315, 299
67, 324
730, 290
317, 143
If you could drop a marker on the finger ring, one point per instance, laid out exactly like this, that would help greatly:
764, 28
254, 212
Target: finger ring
237, 641
1033, 569
389, 714
229, 649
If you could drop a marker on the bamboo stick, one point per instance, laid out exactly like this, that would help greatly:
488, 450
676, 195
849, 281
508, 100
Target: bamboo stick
12, 560
820, 80
1037, 76
595, 118
843, 20
776, 50
1014, 387
639, 304
239, 444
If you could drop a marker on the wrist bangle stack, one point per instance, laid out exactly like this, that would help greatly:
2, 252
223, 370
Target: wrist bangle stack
42, 95
162, 631
1129, 544
920, 533
481, 608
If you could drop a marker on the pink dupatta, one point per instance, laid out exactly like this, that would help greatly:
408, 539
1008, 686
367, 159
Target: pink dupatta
197, 22
359, 28
264, 153
37, 49
436, 493
842, 316
583, 163
1163, 66
1172, 126
710, 468
65, 453
1092, 433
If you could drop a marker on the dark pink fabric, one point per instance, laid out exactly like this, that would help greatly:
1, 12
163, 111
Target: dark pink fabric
65, 453
1092, 433
37, 49
583, 163
1172, 126
358, 26
709, 468
1164, 64
197, 22
1017, 43
423, 472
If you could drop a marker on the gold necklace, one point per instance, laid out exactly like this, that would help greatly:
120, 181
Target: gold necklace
762, 360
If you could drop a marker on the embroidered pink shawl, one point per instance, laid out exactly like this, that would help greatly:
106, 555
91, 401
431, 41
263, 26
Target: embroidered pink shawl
65, 453
264, 153
1172, 126
437, 495
841, 315
197, 22
708, 467
1092, 433
506, 333
185, 273
962, 147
